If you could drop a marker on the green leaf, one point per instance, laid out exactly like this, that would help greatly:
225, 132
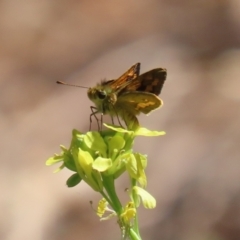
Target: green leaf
65, 157
147, 199
148, 133
143, 160
77, 139
118, 165
54, 160
69, 161
98, 182
85, 160
131, 166
94, 141
141, 176
117, 128
115, 144
60, 168
73, 180
102, 164
135, 168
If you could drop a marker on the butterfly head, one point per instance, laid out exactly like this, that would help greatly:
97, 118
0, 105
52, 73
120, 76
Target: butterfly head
102, 96
96, 94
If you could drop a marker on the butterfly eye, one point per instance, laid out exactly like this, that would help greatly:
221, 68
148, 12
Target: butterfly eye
101, 94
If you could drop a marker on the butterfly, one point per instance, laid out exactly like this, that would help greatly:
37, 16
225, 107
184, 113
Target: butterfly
129, 95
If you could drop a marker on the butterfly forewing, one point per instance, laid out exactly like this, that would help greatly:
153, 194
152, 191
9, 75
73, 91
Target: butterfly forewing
125, 79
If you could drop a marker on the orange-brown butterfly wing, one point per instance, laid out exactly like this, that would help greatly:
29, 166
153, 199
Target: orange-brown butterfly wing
151, 82
125, 79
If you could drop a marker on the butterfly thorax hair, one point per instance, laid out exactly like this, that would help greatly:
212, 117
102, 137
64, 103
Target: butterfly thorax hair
103, 96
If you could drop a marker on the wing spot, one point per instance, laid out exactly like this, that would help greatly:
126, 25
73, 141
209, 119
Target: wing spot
144, 105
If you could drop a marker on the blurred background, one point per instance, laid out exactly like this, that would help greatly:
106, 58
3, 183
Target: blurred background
193, 171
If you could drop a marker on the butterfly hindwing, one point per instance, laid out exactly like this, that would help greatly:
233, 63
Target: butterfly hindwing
138, 102
151, 81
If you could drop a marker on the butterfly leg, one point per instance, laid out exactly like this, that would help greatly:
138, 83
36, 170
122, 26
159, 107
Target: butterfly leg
112, 120
117, 118
119, 121
94, 112
101, 121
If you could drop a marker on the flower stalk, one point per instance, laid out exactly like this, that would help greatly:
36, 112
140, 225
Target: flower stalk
99, 159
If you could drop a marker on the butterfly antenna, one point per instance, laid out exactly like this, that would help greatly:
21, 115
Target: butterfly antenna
72, 85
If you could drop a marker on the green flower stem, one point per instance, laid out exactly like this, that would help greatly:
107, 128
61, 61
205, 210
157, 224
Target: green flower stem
135, 226
108, 183
133, 235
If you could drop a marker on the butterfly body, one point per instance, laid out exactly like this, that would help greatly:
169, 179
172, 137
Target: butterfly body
129, 95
